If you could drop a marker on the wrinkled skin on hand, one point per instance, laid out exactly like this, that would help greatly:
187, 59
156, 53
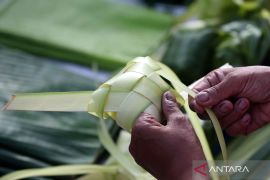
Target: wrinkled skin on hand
240, 97
166, 150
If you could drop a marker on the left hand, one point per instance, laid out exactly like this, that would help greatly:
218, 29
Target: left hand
166, 151
248, 86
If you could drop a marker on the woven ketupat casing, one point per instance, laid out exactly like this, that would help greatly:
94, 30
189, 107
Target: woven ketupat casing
138, 81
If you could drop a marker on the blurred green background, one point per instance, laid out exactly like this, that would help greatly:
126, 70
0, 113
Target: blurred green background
67, 45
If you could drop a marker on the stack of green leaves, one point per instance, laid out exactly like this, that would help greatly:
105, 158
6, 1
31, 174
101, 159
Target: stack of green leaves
105, 32
30, 139
219, 36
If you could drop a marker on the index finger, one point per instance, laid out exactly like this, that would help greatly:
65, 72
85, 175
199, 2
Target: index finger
211, 79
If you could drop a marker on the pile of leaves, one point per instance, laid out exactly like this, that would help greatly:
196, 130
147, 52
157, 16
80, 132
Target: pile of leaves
216, 32
41, 139
107, 33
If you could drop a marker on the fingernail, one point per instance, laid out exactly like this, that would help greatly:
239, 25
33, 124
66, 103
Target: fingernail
245, 120
224, 108
203, 97
169, 96
242, 105
192, 106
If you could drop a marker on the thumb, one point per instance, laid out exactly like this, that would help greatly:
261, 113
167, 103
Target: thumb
171, 111
221, 91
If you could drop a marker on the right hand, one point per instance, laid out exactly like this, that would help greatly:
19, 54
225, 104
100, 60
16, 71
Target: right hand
166, 150
249, 86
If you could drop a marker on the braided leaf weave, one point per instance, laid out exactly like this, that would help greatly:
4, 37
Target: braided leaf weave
139, 81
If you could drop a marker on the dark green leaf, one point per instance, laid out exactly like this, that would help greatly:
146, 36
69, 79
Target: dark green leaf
189, 51
105, 32
36, 139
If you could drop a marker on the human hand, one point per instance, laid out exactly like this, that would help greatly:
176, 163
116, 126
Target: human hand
166, 151
248, 86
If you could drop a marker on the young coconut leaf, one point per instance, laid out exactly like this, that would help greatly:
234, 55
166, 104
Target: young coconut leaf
137, 88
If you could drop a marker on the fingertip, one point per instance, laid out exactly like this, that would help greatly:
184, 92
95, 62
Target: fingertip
199, 109
223, 108
242, 104
203, 99
169, 104
169, 96
195, 107
171, 111
246, 120
203, 116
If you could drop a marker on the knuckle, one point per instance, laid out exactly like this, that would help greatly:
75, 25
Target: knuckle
232, 76
214, 76
211, 73
213, 91
180, 118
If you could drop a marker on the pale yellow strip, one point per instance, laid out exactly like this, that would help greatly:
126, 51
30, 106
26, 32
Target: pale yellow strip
202, 138
60, 171
53, 101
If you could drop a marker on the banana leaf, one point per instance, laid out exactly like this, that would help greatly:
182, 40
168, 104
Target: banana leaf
233, 31
206, 45
82, 31
30, 139
243, 43
191, 46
